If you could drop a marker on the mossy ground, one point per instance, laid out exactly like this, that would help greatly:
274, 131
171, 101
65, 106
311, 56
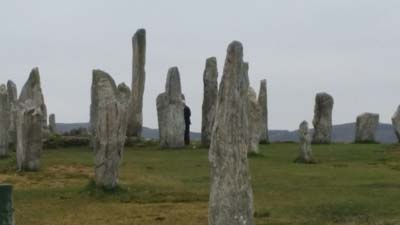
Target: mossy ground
350, 184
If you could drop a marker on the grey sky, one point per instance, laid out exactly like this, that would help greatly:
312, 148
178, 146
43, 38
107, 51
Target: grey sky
350, 49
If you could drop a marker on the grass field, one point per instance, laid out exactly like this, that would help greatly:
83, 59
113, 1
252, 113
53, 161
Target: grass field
351, 184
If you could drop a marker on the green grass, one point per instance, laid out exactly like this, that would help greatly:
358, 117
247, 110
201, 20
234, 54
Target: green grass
350, 184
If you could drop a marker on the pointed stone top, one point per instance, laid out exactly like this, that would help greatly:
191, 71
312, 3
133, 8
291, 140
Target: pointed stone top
263, 82
235, 52
368, 114
124, 93
32, 88
173, 85
11, 83
100, 75
210, 72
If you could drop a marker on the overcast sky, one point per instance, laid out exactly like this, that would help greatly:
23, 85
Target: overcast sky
350, 49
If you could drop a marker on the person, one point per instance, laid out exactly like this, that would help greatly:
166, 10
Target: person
187, 113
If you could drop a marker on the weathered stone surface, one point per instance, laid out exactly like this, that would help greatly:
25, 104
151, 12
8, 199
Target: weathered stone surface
322, 119
4, 120
231, 198
6, 206
263, 102
171, 121
396, 122
109, 117
52, 124
12, 100
210, 82
138, 80
366, 126
255, 121
305, 144
32, 94
29, 116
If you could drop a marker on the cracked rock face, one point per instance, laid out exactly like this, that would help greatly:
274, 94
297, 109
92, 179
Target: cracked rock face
29, 123
305, 144
366, 126
396, 123
231, 196
12, 100
170, 109
262, 101
109, 117
322, 119
210, 82
135, 123
4, 120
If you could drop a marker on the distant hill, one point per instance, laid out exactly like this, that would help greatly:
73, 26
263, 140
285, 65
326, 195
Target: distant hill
343, 133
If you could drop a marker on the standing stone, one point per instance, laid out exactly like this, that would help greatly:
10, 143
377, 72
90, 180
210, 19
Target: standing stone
32, 91
52, 124
366, 126
4, 120
262, 101
6, 205
210, 82
109, 109
138, 79
12, 100
396, 122
322, 119
305, 144
170, 105
231, 196
255, 121
29, 116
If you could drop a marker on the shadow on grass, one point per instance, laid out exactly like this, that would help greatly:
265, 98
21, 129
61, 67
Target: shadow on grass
141, 194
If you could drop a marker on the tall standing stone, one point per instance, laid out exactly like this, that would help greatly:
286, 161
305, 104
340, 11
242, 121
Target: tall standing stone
6, 205
12, 100
138, 80
322, 119
366, 126
52, 124
263, 102
305, 144
396, 122
109, 117
171, 121
4, 120
231, 198
255, 121
210, 82
29, 116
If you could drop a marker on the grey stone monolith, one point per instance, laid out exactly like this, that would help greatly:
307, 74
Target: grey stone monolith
231, 196
4, 120
210, 93
255, 121
305, 155
12, 100
138, 82
170, 107
109, 117
29, 116
322, 119
6, 205
366, 126
263, 102
52, 124
396, 123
